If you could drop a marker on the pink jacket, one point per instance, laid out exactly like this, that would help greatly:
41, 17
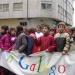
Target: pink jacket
7, 42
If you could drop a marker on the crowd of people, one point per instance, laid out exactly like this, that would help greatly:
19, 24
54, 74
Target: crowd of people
32, 40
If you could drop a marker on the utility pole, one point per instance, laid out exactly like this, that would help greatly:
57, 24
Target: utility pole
27, 8
66, 11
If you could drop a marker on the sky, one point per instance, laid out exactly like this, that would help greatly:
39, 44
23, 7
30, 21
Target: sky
74, 15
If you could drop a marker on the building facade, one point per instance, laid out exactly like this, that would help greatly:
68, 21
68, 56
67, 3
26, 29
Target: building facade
35, 12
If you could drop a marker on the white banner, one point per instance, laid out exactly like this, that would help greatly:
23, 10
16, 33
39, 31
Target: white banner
42, 63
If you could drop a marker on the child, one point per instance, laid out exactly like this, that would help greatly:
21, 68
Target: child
31, 33
8, 40
3, 31
46, 42
66, 30
38, 31
25, 30
21, 42
62, 39
72, 41
52, 31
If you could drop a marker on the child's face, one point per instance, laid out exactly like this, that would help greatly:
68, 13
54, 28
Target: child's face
2, 30
52, 33
38, 29
61, 28
25, 31
13, 32
45, 30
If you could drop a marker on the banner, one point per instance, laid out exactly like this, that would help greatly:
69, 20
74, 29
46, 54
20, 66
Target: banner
42, 63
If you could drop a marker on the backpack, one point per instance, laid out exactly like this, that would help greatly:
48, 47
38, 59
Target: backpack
30, 44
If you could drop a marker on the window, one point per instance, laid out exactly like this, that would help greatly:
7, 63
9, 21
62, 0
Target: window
23, 23
0, 7
43, 6
5, 7
46, 6
60, 10
17, 6
49, 6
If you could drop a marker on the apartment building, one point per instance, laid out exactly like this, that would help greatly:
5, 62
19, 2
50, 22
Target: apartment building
35, 12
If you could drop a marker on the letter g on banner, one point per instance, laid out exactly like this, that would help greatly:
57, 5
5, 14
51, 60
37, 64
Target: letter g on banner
20, 63
53, 68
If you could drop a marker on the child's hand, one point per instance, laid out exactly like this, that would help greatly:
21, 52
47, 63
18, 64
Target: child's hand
13, 49
7, 50
64, 52
47, 50
35, 37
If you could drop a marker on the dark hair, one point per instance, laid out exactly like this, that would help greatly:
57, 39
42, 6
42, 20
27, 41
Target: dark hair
5, 27
73, 29
52, 29
11, 29
38, 26
31, 30
19, 30
45, 25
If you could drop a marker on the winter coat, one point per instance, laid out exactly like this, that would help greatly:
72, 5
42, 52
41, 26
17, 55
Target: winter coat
7, 42
0, 40
21, 42
62, 41
66, 30
46, 42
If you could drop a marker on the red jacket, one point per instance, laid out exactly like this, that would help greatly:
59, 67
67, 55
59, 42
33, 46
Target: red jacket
46, 42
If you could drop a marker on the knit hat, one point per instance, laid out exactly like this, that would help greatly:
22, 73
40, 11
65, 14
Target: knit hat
61, 23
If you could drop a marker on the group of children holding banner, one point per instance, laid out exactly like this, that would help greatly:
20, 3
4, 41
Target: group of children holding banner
33, 40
